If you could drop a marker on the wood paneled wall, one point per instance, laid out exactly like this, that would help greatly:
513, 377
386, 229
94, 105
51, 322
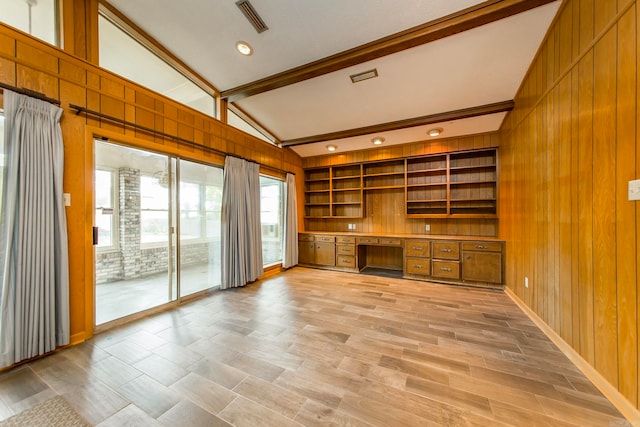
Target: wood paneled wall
567, 152
29, 63
385, 209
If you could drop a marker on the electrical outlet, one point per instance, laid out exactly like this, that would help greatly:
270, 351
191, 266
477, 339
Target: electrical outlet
427, 227
67, 199
526, 282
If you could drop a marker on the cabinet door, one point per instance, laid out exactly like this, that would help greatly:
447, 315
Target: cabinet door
482, 267
325, 253
306, 252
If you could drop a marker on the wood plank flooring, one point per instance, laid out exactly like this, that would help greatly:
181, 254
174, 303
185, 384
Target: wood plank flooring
312, 347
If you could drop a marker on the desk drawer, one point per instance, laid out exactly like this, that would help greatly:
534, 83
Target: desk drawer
367, 240
345, 261
345, 239
345, 249
418, 266
446, 250
417, 248
389, 242
325, 238
305, 238
482, 246
446, 269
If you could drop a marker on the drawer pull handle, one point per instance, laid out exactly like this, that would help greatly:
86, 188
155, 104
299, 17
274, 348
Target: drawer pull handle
481, 247
417, 248
417, 266
345, 261
445, 268
446, 250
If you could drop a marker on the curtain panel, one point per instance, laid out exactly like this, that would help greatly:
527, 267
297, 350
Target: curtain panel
34, 271
241, 228
290, 247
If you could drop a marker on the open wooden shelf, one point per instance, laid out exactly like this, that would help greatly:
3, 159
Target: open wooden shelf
461, 184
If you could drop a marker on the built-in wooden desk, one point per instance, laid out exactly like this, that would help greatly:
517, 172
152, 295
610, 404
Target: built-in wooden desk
460, 260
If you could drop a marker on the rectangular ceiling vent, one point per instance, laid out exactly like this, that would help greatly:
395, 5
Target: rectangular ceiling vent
355, 78
251, 14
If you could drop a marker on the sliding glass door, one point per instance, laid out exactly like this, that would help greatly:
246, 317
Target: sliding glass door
157, 230
200, 195
134, 246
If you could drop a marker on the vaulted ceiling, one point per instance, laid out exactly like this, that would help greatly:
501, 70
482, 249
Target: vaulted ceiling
450, 64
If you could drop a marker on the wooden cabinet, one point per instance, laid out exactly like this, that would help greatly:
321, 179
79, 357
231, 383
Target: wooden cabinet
482, 262
462, 184
316, 250
446, 259
325, 254
417, 262
306, 251
345, 252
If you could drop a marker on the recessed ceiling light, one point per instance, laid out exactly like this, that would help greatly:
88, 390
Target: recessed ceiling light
378, 140
332, 147
435, 131
244, 48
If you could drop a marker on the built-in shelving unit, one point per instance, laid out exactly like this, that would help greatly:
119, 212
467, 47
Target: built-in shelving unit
448, 185
334, 192
383, 175
452, 185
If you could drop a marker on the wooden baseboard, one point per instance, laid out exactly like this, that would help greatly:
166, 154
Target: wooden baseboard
77, 338
625, 407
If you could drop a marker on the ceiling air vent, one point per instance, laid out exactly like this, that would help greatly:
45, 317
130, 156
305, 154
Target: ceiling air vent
251, 14
355, 78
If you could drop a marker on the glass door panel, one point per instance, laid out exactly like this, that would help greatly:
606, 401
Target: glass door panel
133, 215
200, 195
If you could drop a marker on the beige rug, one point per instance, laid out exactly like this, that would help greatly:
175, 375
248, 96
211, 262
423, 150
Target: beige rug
54, 412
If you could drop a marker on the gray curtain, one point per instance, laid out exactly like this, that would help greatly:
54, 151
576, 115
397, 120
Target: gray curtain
241, 229
290, 247
34, 271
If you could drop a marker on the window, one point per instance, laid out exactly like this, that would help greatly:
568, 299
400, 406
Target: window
38, 18
154, 209
271, 213
106, 215
238, 122
125, 56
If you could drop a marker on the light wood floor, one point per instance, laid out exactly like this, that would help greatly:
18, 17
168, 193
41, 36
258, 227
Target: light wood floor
311, 347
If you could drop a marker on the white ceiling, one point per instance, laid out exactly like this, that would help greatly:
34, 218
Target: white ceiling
480, 66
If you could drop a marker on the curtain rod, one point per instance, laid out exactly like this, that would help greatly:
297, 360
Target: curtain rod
29, 92
80, 109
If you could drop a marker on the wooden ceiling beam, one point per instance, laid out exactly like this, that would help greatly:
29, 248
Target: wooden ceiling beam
466, 19
498, 107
